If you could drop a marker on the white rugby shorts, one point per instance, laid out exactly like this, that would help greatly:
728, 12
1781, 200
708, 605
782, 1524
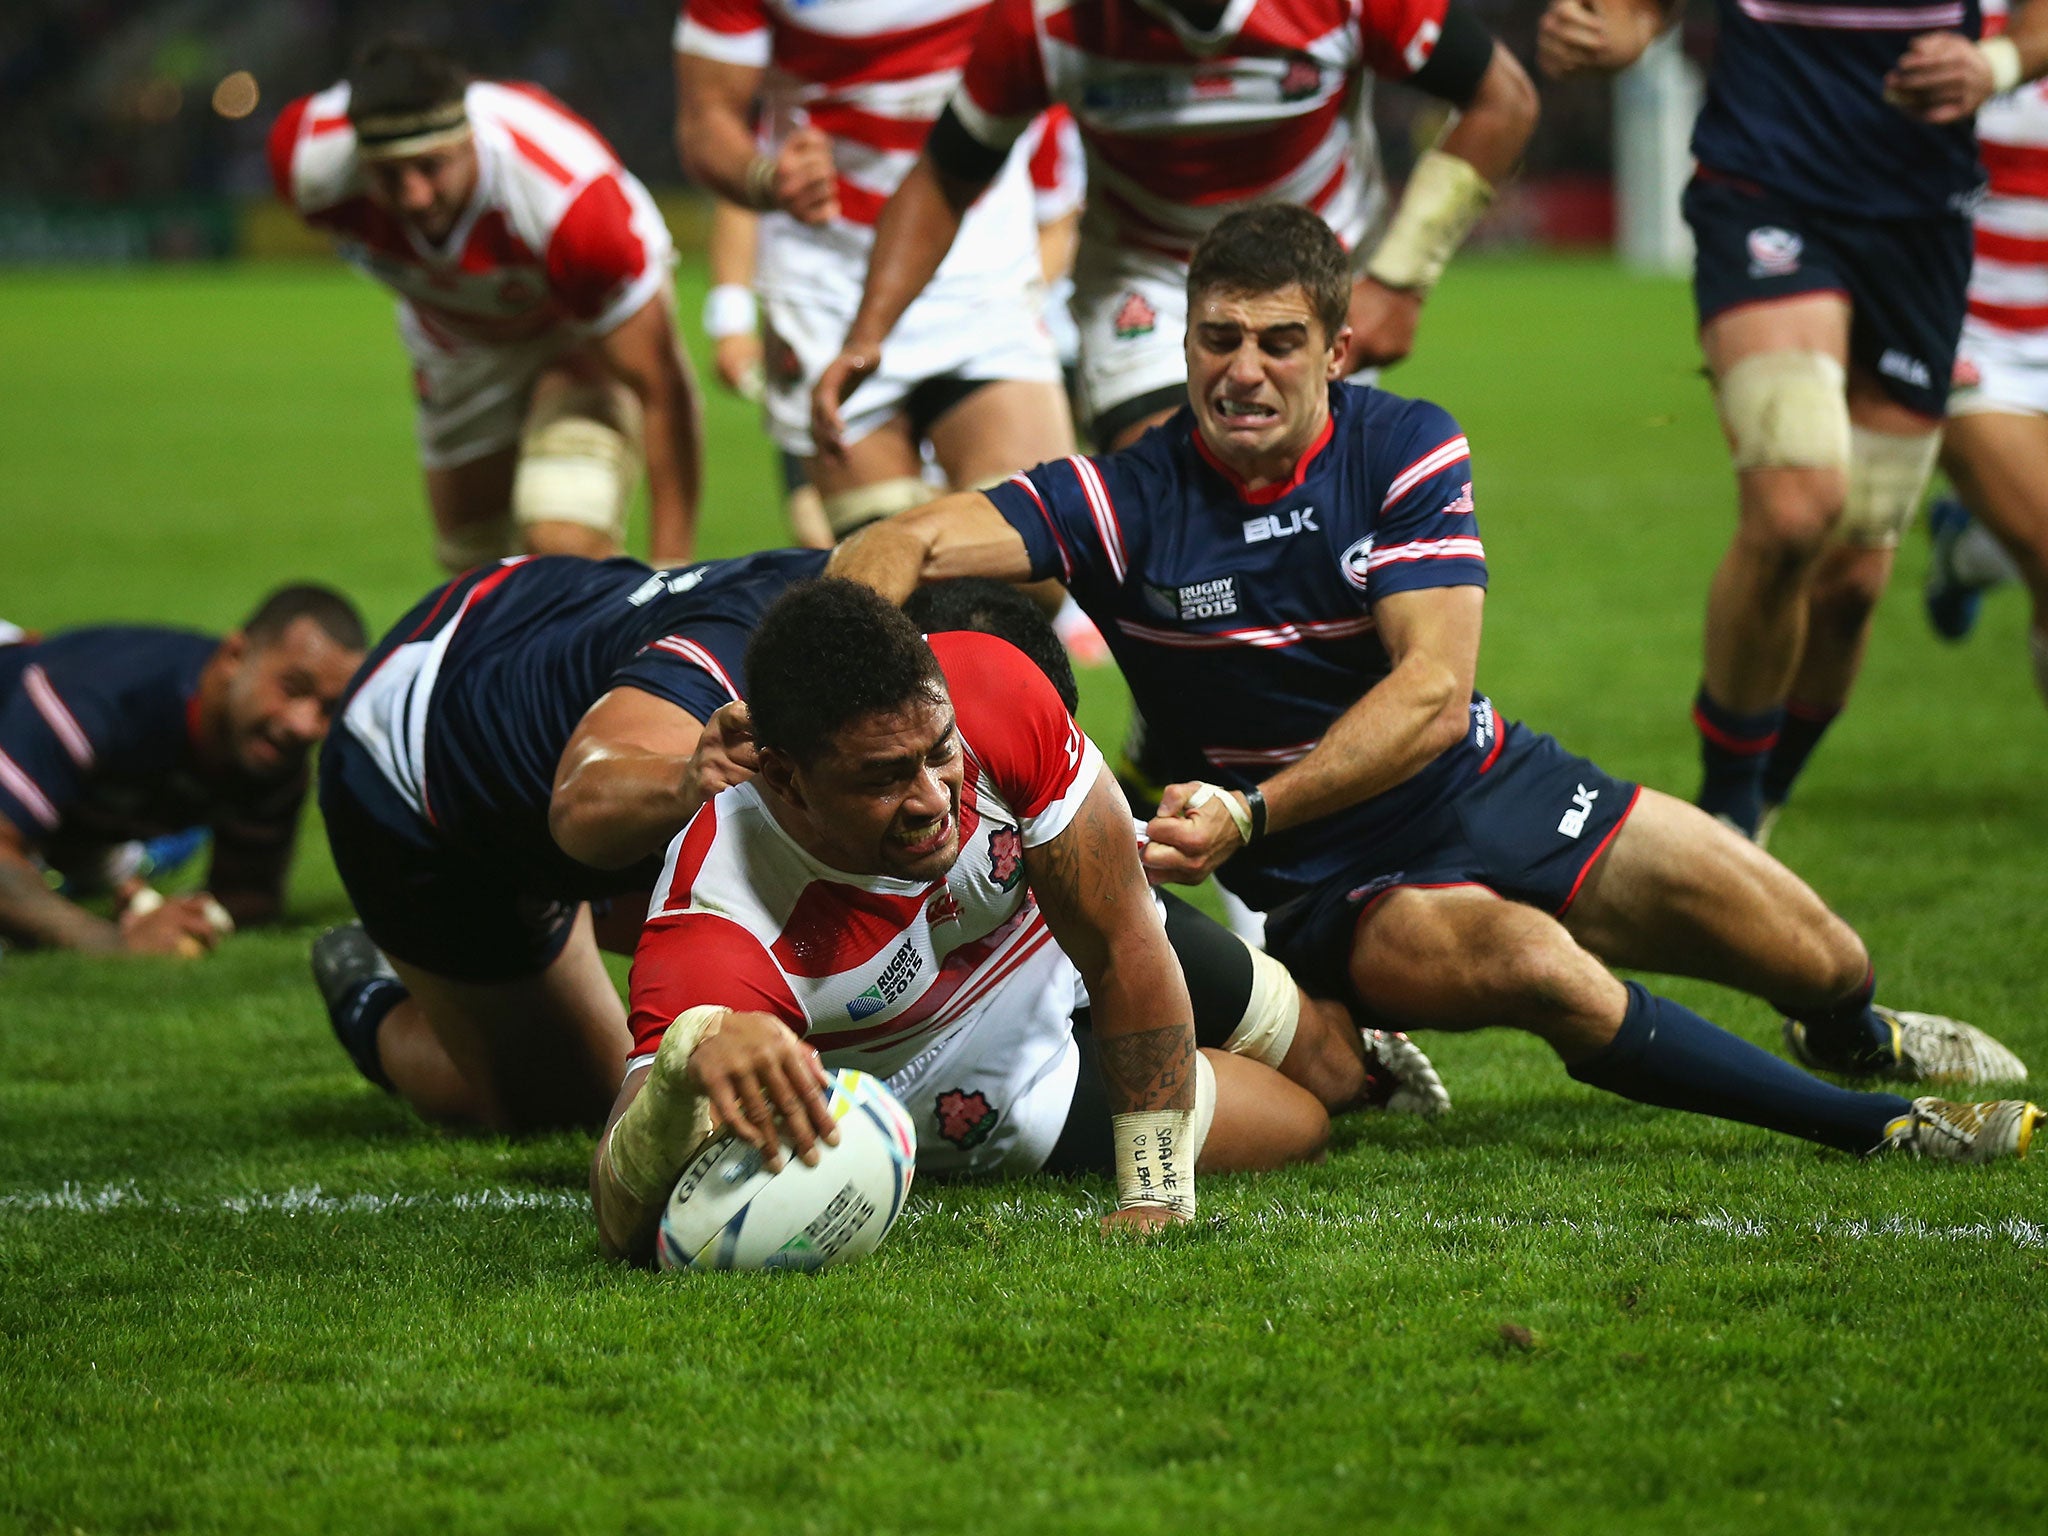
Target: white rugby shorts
989, 332
1999, 373
471, 396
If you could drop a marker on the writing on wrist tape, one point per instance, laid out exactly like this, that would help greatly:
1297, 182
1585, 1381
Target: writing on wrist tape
1155, 1159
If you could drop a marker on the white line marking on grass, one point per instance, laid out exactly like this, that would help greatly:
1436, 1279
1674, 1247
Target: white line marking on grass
312, 1199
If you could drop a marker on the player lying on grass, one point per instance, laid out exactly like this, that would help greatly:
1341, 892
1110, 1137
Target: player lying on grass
1291, 577
117, 733
532, 274
929, 872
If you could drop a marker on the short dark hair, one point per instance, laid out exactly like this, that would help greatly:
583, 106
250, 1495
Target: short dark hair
999, 609
1268, 246
401, 74
829, 652
335, 614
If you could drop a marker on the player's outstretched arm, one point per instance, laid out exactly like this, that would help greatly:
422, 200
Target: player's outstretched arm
634, 772
1400, 725
643, 352
1093, 893
1943, 77
915, 231
958, 535
32, 913
1578, 37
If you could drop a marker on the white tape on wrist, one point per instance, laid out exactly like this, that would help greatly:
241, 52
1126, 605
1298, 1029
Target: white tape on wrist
1240, 816
730, 310
1155, 1159
1444, 198
2002, 55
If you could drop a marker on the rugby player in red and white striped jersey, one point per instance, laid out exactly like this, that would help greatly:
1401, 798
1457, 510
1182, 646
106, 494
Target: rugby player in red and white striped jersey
1189, 109
532, 273
1997, 433
846, 93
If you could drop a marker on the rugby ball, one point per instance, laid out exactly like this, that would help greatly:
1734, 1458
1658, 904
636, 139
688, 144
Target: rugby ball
728, 1211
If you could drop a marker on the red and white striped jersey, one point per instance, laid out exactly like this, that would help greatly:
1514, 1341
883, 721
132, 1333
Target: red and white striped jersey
557, 233
873, 76
1059, 175
1183, 126
2009, 281
880, 973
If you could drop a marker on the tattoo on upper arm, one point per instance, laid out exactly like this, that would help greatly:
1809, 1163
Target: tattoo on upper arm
1153, 1069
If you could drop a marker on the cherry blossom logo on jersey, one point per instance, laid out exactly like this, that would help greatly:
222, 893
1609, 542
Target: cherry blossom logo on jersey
965, 1119
1774, 252
1303, 79
517, 291
1966, 375
1135, 318
1005, 857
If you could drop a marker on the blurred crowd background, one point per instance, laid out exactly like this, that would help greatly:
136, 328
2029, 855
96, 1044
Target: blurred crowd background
134, 129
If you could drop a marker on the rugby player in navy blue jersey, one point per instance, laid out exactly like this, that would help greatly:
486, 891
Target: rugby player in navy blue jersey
516, 753
1837, 170
1291, 577
117, 733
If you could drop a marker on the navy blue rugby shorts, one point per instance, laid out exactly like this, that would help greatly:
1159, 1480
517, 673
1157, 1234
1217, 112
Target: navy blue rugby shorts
1530, 827
1907, 280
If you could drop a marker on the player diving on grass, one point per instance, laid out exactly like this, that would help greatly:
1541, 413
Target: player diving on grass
933, 878
118, 733
532, 274
1417, 853
1831, 210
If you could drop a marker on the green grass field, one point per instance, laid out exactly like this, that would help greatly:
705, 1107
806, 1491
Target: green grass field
240, 1290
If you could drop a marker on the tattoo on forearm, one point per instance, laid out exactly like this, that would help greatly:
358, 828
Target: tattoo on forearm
1152, 1069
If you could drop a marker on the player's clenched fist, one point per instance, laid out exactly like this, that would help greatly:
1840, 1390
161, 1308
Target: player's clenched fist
1383, 322
725, 754
806, 181
764, 1083
186, 926
1942, 77
1194, 831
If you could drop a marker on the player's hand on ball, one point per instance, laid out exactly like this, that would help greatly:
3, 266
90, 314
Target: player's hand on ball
1942, 77
764, 1083
1140, 1221
725, 754
1572, 38
806, 181
1383, 322
842, 376
1186, 841
186, 926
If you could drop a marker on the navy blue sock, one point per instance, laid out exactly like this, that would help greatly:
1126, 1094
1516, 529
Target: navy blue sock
1733, 750
1801, 732
1671, 1057
1847, 1036
358, 1015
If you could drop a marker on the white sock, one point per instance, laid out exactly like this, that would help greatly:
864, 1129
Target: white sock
2037, 648
1980, 560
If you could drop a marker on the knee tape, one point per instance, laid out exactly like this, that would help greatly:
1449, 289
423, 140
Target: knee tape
1785, 410
575, 466
1266, 1033
465, 548
1887, 476
848, 511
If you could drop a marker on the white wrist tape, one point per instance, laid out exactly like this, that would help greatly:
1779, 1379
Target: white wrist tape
1443, 200
730, 310
670, 1119
1155, 1159
2002, 54
1240, 816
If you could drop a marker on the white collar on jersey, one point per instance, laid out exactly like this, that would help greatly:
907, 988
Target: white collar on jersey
1214, 39
880, 885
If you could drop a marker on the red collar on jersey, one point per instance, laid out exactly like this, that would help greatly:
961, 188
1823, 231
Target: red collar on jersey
1268, 493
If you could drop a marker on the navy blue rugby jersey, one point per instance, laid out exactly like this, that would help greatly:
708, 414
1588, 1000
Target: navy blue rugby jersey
1243, 620
1795, 102
465, 707
97, 746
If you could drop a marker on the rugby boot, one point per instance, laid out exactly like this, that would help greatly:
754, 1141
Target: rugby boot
1924, 1048
1400, 1078
359, 988
1965, 1133
1952, 602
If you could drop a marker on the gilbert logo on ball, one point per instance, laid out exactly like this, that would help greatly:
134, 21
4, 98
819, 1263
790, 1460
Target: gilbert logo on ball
728, 1211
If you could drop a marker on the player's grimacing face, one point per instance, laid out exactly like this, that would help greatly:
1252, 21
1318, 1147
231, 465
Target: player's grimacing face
281, 697
427, 191
885, 800
1259, 369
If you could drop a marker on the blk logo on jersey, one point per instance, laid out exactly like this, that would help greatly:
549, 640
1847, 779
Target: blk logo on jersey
1209, 599
894, 981
1005, 857
1281, 525
1574, 820
1774, 252
1135, 318
1906, 369
965, 1119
